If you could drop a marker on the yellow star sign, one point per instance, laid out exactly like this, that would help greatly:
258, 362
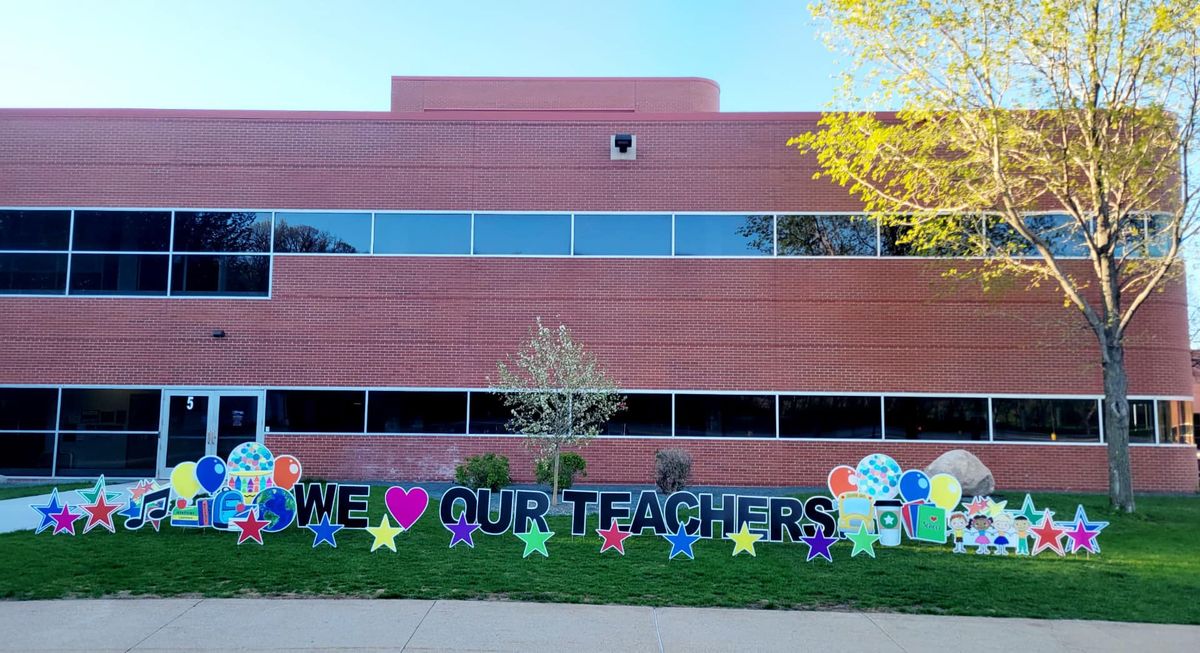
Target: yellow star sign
994, 508
384, 534
744, 540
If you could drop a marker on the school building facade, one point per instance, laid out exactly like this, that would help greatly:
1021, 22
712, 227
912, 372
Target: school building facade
340, 286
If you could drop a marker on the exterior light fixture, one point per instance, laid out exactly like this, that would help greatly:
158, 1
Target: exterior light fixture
623, 147
218, 333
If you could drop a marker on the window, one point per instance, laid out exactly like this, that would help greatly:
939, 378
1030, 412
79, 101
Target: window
422, 233
21, 234
725, 415
829, 417
206, 274
417, 412
1060, 232
119, 274
644, 414
323, 233
935, 418
488, 414
27, 454
22, 273
122, 231
528, 234
1053, 420
964, 237
1141, 420
92, 454
826, 235
315, 411
1175, 422
109, 410
622, 235
228, 232
724, 235
34, 230
28, 409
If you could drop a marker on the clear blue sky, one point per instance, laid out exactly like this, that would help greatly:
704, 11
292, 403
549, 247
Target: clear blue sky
339, 55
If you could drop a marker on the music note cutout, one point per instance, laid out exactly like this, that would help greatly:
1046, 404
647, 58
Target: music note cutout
148, 511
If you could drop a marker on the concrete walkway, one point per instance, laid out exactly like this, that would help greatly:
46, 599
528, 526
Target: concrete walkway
395, 625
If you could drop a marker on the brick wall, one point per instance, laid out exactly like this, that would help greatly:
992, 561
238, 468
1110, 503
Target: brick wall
643, 95
737, 463
868, 325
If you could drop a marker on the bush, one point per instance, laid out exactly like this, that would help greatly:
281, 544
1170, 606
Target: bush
672, 470
488, 470
569, 464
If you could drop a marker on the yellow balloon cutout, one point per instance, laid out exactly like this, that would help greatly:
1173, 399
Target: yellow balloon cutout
183, 479
944, 491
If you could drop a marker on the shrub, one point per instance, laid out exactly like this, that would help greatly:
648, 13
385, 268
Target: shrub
569, 464
672, 470
488, 470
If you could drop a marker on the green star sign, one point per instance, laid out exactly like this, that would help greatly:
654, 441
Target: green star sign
864, 542
535, 540
889, 520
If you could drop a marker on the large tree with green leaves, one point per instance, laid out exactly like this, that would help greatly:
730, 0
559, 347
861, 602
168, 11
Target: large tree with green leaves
1083, 108
558, 394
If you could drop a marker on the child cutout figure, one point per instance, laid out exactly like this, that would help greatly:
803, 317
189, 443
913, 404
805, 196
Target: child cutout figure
958, 526
1021, 523
1004, 526
981, 533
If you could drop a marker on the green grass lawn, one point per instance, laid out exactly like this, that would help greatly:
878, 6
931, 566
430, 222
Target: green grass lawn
17, 491
1149, 570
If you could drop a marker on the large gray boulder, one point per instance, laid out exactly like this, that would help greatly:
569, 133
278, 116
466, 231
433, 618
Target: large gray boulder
975, 478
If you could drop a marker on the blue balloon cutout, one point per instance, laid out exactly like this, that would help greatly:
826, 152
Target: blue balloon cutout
914, 485
210, 472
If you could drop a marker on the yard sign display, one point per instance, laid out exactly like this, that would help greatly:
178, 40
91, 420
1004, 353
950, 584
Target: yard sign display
254, 493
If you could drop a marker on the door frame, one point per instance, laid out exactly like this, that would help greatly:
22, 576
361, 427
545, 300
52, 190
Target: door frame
213, 423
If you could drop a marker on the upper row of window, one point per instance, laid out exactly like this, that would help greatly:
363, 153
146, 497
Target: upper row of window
228, 252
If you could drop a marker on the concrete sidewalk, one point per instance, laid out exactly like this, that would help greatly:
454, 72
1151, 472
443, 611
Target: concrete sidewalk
400, 625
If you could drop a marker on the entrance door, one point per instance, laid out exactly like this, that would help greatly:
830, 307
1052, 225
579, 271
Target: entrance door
198, 423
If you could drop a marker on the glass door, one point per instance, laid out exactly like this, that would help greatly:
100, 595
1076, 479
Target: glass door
198, 423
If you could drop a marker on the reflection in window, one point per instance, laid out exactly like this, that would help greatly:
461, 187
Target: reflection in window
230, 232
829, 417
417, 412
1054, 420
643, 414
422, 233
489, 415
1060, 232
826, 235
1141, 420
122, 231
622, 235
528, 234
1175, 422
119, 274
28, 409
33, 273
92, 454
725, 415
206, 274
34, 230
724, 235
935, 418
315, 411
962, 236
323, 233
26, 454
109, 410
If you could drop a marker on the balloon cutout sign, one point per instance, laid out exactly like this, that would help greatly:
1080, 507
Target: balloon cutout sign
254, 493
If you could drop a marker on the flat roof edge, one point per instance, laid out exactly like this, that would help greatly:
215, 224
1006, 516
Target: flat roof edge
447, 115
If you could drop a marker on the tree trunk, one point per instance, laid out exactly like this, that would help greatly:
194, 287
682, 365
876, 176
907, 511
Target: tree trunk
554, 483
1116, 426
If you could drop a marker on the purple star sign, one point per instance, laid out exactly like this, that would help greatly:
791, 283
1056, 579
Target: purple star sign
461, 532
818, 545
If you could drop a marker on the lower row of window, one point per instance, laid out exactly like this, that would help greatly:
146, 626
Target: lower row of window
84, 432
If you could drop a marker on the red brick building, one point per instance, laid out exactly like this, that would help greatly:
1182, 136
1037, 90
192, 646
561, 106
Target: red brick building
341, 285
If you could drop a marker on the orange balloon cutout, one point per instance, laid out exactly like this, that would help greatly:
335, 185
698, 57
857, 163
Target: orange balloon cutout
843, 479
287, 472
